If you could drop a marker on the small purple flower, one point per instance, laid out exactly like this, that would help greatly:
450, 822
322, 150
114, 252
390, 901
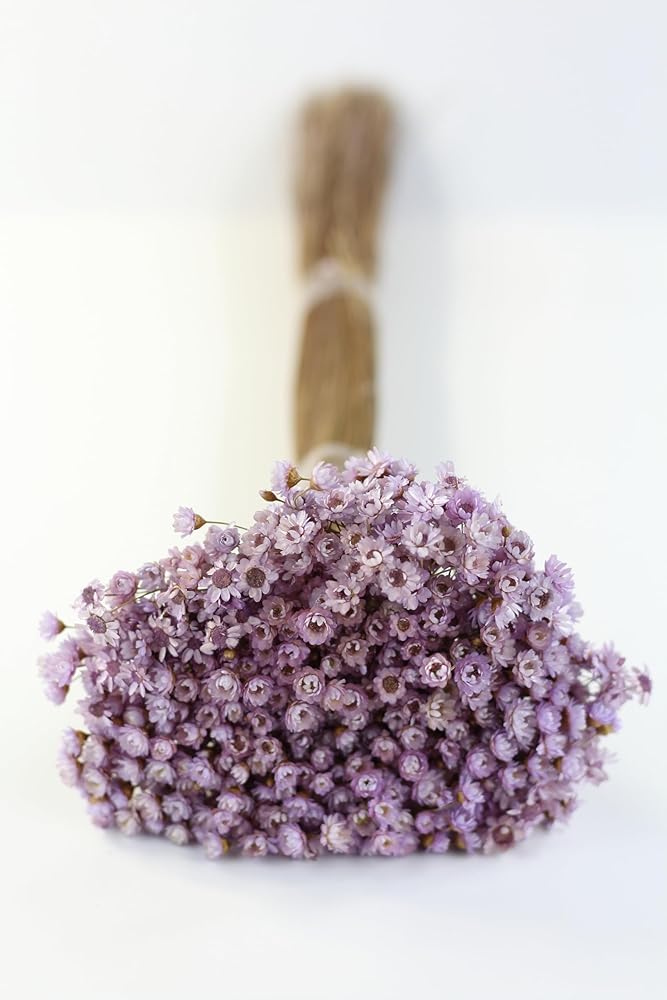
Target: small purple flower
294, 531
301, 717
575, 717
368, 784
222, 585
186, 521
309, 685
538, 635
255, 578
255, 845
602, 714
439, 710
412, 765
473, 674
573, 765
101, 813
90, 596
374, 551
68, 769
50, 626
103, 627
315, 627
422, 539
522, 722
548, 717
133, 741
221, 540
336, 835
392, 844
480, 763
401, 582
221, 633
122, 587
177, 834
389, 686
476, 564
644, 686
503, 835
214, 846
436, 671
292, 841
128, 822
528, 670
284, 478
503, 746
438, 843
177, 808
223, 686
57, 670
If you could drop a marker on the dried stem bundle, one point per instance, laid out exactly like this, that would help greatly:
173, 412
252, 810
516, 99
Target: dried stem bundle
341, 177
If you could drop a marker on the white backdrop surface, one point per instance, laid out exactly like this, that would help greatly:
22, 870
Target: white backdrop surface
148, 314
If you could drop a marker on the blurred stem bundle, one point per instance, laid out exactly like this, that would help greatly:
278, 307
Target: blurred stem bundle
341, 177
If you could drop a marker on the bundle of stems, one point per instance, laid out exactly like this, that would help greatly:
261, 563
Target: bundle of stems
341, 175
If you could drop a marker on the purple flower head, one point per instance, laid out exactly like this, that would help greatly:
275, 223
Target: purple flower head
375, 666
103, 627
336, 835
50, 625
480, 762
503, 746
255, 845
57, 670
644, 685
392, 844
222, 584
256, 577
522, 722
122, 586
548, 717
314, 626
133, 741
294, 531
101, 813
292, 841
301, 717
473, 674
284, 478
529, 671
220, 541
368, 784
436, 671
186, 521
401, 582
223, 685
412, 765
389, 685
309, 685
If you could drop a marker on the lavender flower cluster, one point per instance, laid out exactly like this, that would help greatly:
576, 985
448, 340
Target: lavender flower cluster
376, 666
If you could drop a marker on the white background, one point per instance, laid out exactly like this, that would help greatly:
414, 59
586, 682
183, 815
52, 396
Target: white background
148, 312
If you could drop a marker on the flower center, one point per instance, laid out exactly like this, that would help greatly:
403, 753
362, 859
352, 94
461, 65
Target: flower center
218, 635
256, 577
97, 624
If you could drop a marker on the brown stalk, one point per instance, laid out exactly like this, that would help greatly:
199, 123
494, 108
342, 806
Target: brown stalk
341, 175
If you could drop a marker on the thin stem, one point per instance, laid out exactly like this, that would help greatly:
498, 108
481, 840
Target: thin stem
135, 598
229, 524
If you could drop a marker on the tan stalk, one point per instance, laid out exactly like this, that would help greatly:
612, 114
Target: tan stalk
341, 175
